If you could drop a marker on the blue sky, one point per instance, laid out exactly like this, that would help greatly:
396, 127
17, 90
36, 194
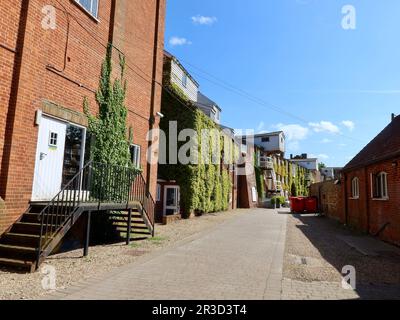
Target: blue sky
289, 64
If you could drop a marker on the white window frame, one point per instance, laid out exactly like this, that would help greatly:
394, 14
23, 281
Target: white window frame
53, 139
90, 10
136, 158
381, 179
184, 80
355, 188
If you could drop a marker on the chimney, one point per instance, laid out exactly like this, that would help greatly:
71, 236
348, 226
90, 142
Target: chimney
393, 116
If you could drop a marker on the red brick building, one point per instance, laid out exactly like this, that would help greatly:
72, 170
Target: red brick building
371, 186
50, 59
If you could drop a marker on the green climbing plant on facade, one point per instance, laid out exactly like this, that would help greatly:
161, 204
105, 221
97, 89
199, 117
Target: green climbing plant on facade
205, 186
109, 127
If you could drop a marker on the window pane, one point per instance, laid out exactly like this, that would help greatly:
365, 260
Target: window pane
90, 5
95, 7
86, 4
73, 153
135, 155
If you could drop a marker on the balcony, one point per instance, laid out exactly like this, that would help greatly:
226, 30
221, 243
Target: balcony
266, 163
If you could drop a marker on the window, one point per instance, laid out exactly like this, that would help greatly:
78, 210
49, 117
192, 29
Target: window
184, 80
91, 6
158, 195
53, 139
135, 155
379, 186
265, 139
355, 188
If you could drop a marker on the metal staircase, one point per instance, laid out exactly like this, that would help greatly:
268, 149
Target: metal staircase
96, 188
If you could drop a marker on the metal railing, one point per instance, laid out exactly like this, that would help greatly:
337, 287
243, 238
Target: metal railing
95, 185
139, 192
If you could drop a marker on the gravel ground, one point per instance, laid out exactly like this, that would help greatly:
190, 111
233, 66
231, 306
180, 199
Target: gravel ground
315, 253
71, 268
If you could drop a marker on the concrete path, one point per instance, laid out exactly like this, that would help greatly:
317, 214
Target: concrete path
239, 259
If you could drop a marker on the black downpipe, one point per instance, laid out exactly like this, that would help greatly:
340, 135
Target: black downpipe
153, 88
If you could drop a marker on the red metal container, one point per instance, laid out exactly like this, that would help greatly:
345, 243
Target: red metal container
297, 204
311, 204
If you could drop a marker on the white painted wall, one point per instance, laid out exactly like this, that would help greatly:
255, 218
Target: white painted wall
310, 164
177, 74
276, 143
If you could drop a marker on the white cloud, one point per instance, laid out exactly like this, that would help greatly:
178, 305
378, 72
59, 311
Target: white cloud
261, 126
324, 126
349, 124
177, 41
326, 141
293, 132
203, 20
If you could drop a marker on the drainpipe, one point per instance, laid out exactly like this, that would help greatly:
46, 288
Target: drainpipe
153, 87
111, 27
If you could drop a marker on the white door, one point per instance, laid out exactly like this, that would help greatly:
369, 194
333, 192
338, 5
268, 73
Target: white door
49, 159
171, 200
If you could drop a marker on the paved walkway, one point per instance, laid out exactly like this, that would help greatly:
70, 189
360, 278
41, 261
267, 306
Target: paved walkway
317, 249
239, 259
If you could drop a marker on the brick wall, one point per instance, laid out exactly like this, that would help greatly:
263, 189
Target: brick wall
247, 181
77, 78
370, 215
357, 208
330, 198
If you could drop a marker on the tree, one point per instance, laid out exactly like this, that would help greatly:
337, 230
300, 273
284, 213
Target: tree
109, 126
321, 166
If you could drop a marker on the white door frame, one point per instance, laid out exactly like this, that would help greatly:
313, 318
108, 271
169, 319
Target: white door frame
177, 188
37, 154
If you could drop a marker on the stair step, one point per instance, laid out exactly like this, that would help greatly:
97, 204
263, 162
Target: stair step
124, 215
134, 230
37, 208
21, 264
35, 217
17, 239
139, 228
143, 233
27, 228
17, 253
125, 220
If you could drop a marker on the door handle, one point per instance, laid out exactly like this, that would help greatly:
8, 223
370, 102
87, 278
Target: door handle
43, 155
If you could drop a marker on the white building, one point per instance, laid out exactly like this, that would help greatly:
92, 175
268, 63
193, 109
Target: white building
209, 107
182, 78
273, 142
305, 162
